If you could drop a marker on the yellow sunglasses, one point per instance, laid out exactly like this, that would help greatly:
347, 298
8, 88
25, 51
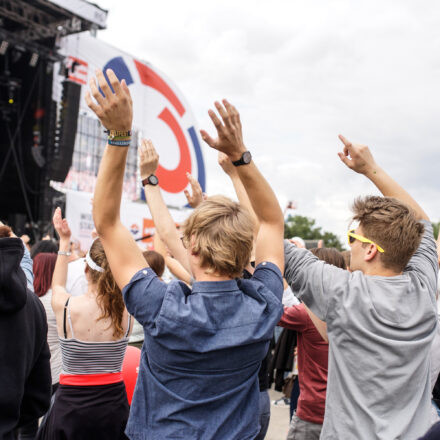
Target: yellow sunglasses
352, 236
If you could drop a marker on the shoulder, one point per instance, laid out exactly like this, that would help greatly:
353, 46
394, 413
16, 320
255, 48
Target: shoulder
270, 276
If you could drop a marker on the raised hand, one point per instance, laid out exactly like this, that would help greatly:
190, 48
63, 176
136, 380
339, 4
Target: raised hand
148, 159
61, 226
357, 157
196, 197
230, 137
114, 109
226, 164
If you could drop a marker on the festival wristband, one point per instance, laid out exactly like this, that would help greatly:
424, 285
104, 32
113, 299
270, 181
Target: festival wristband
119, 143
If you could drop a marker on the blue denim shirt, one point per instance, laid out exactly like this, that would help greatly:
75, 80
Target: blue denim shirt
198, 376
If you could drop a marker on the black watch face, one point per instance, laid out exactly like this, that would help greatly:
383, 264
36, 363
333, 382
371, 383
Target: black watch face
247, 157
153, 180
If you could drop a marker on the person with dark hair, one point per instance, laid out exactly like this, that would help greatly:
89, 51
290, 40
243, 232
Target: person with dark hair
155, 261
91, 401
25, 383
381, 317
306, 423
46, 246
26, 261
43, 267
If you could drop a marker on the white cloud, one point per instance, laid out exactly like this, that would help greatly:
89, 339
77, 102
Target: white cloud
300, 73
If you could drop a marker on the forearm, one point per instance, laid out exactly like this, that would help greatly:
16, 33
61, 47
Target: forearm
164, 224
59, 277
178, 270
243, 198
261, 195
108, 189
27, 265
390, 188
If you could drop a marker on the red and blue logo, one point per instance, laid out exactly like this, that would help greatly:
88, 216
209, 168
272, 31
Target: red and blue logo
172, 115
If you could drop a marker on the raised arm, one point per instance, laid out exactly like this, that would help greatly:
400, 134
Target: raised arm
240, 191
359, 158
114, 109
59, 277
163, 222
269, 244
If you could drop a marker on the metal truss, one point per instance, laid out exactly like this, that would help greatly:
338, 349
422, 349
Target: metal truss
38, 24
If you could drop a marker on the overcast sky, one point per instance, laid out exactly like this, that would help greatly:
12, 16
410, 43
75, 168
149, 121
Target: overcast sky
300, 73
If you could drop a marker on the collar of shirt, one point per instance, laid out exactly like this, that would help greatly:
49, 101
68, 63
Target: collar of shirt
214, 286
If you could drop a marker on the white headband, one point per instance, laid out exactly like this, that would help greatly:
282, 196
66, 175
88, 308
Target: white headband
92, 264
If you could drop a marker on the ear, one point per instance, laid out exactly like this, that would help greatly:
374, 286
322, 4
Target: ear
370, 252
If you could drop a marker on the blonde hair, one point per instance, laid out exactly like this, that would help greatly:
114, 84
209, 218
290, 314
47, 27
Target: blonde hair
220, 233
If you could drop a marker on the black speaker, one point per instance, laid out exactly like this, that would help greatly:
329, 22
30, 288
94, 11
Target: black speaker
65, 131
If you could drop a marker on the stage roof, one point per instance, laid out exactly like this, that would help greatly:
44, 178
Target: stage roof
42, 20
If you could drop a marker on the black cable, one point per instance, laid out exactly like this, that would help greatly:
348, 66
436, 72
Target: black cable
17, 130
20, 178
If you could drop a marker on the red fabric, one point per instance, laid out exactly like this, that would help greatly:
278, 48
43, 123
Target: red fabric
90, 379
312, 364
130, 369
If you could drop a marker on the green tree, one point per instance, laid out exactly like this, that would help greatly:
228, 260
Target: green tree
306, 228
436, 227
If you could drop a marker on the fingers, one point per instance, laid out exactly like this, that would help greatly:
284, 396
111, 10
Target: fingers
208, 139
195, 185
215, 120
345, 141
232, 111
345, 159
126, 90
104, 84
95, 92
113, 79
224, 114
188, 196
89, 101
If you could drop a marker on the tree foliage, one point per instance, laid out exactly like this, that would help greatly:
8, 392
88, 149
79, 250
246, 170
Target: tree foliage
305, 227
436, 227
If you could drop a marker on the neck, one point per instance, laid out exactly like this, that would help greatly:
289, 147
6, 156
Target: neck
92, 289
381, 271
202, 275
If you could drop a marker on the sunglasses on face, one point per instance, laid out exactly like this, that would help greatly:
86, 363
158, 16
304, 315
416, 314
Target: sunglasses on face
352, 236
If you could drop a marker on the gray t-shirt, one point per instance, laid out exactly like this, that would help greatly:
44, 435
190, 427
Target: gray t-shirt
380, 331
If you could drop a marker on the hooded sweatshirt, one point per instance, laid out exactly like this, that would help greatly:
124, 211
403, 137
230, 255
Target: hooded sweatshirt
25, 382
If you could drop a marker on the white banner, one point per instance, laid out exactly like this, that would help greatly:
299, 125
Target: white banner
135, 216
160, 111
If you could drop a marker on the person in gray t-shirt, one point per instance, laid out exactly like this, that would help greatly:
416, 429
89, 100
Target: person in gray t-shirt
381, 317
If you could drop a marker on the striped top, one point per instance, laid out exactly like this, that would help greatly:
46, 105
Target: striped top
86, 357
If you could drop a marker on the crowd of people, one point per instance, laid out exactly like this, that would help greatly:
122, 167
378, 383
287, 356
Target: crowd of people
366, 330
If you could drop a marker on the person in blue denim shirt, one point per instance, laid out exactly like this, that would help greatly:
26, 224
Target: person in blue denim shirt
198, 376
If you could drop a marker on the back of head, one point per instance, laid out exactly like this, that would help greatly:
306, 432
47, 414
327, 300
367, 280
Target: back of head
109, 295
5, 231
12, 278
220, 233
47, 246
43, 267
392, 225
330, 256
155, 261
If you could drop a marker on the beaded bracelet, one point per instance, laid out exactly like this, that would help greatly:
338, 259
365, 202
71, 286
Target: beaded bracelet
119, 142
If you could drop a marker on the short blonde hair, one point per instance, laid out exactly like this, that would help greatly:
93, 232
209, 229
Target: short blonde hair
220, 232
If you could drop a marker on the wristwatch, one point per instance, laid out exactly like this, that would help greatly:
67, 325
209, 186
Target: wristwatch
150, 180
245, 159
